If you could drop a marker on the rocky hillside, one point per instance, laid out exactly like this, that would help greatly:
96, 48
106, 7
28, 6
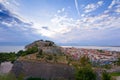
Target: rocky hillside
47, 62
43, 51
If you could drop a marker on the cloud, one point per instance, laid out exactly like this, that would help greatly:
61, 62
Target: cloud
94, 29
117, 10
13, 28
60, 11
92, 7
112, 4
8, 18
115, 4
113, 8
11, 5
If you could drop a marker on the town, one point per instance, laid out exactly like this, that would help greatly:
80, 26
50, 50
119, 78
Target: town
102, 57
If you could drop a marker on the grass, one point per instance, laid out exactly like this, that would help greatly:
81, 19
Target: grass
115, 74
7, 76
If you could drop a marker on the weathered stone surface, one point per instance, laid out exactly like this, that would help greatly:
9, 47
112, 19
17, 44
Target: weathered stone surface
43, 69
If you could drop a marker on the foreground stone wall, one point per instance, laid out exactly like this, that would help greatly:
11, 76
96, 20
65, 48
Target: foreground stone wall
44, 70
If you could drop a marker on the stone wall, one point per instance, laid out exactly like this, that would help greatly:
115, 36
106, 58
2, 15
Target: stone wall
44, 70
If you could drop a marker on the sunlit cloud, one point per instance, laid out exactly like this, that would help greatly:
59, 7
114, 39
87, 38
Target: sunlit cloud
93, 6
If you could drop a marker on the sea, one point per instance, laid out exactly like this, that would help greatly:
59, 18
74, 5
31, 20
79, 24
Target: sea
109, 48
11, 48
17, 48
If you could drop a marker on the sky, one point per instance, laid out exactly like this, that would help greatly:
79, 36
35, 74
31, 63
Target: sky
66, 22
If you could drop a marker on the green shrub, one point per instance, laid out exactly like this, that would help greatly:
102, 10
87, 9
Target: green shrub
28, 51
7, 57
106, 76
32, 50
49, 57
85, 73
84, 69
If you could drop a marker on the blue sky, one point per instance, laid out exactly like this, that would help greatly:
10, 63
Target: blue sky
69, 22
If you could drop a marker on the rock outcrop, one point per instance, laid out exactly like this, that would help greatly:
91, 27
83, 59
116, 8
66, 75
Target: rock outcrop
41, 44
45, 46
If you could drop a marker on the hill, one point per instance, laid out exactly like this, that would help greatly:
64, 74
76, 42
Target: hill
43, 59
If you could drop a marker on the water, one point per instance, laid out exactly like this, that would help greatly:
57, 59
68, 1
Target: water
17, 48
11, 48
97, 47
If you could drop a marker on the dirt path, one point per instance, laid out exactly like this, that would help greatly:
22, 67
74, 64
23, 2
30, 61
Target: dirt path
118, 78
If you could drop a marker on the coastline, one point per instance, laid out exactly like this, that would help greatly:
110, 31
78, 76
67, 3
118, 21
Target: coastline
109, 48
17, 48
